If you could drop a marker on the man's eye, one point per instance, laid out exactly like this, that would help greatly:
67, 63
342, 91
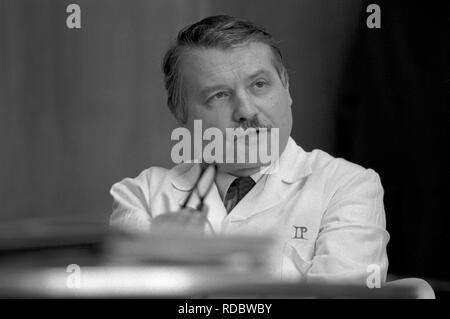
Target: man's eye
260, 84
218, 96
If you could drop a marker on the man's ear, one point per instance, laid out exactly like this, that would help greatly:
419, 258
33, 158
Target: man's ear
286, 84
187, 124
285, 76
182, 120
182, 124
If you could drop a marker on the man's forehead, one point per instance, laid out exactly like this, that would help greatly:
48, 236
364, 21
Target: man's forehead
208, 64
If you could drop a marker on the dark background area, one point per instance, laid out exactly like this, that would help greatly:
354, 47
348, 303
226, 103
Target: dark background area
82, 109
393, 115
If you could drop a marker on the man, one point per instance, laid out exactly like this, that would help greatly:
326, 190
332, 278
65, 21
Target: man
327, 213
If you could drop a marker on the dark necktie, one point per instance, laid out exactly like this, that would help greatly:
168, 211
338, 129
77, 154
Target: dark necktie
237, 190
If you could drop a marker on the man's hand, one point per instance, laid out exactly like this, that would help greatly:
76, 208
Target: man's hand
187, 220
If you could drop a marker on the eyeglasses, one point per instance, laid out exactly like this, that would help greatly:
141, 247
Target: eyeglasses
205, 169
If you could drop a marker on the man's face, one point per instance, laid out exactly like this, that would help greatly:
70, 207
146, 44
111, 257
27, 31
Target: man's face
233, 87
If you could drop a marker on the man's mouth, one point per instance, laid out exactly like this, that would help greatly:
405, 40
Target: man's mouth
250, 131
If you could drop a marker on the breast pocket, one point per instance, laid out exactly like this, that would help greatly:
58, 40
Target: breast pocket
294, 266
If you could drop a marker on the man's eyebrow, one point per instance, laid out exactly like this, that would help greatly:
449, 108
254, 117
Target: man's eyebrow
257, 73
205, 91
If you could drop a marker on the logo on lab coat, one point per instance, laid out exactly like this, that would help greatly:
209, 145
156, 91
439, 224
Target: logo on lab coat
299, 232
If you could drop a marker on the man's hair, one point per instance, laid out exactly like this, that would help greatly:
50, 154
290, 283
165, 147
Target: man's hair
222, 32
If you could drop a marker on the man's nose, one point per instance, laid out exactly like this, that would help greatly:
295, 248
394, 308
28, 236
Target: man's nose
245, 108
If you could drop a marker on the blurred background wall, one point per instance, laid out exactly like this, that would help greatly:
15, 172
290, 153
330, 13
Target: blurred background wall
82, 109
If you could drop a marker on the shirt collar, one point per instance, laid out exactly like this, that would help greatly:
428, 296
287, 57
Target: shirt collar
224, 180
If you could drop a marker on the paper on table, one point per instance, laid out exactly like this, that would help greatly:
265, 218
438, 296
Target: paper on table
188, 248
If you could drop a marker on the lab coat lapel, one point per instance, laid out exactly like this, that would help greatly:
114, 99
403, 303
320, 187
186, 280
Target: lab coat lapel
272, 188
266, 193
216, 209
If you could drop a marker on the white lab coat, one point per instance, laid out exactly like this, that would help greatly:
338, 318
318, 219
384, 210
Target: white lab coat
327, 213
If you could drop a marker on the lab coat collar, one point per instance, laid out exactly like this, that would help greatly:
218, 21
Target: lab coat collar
293, 166
293, 163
